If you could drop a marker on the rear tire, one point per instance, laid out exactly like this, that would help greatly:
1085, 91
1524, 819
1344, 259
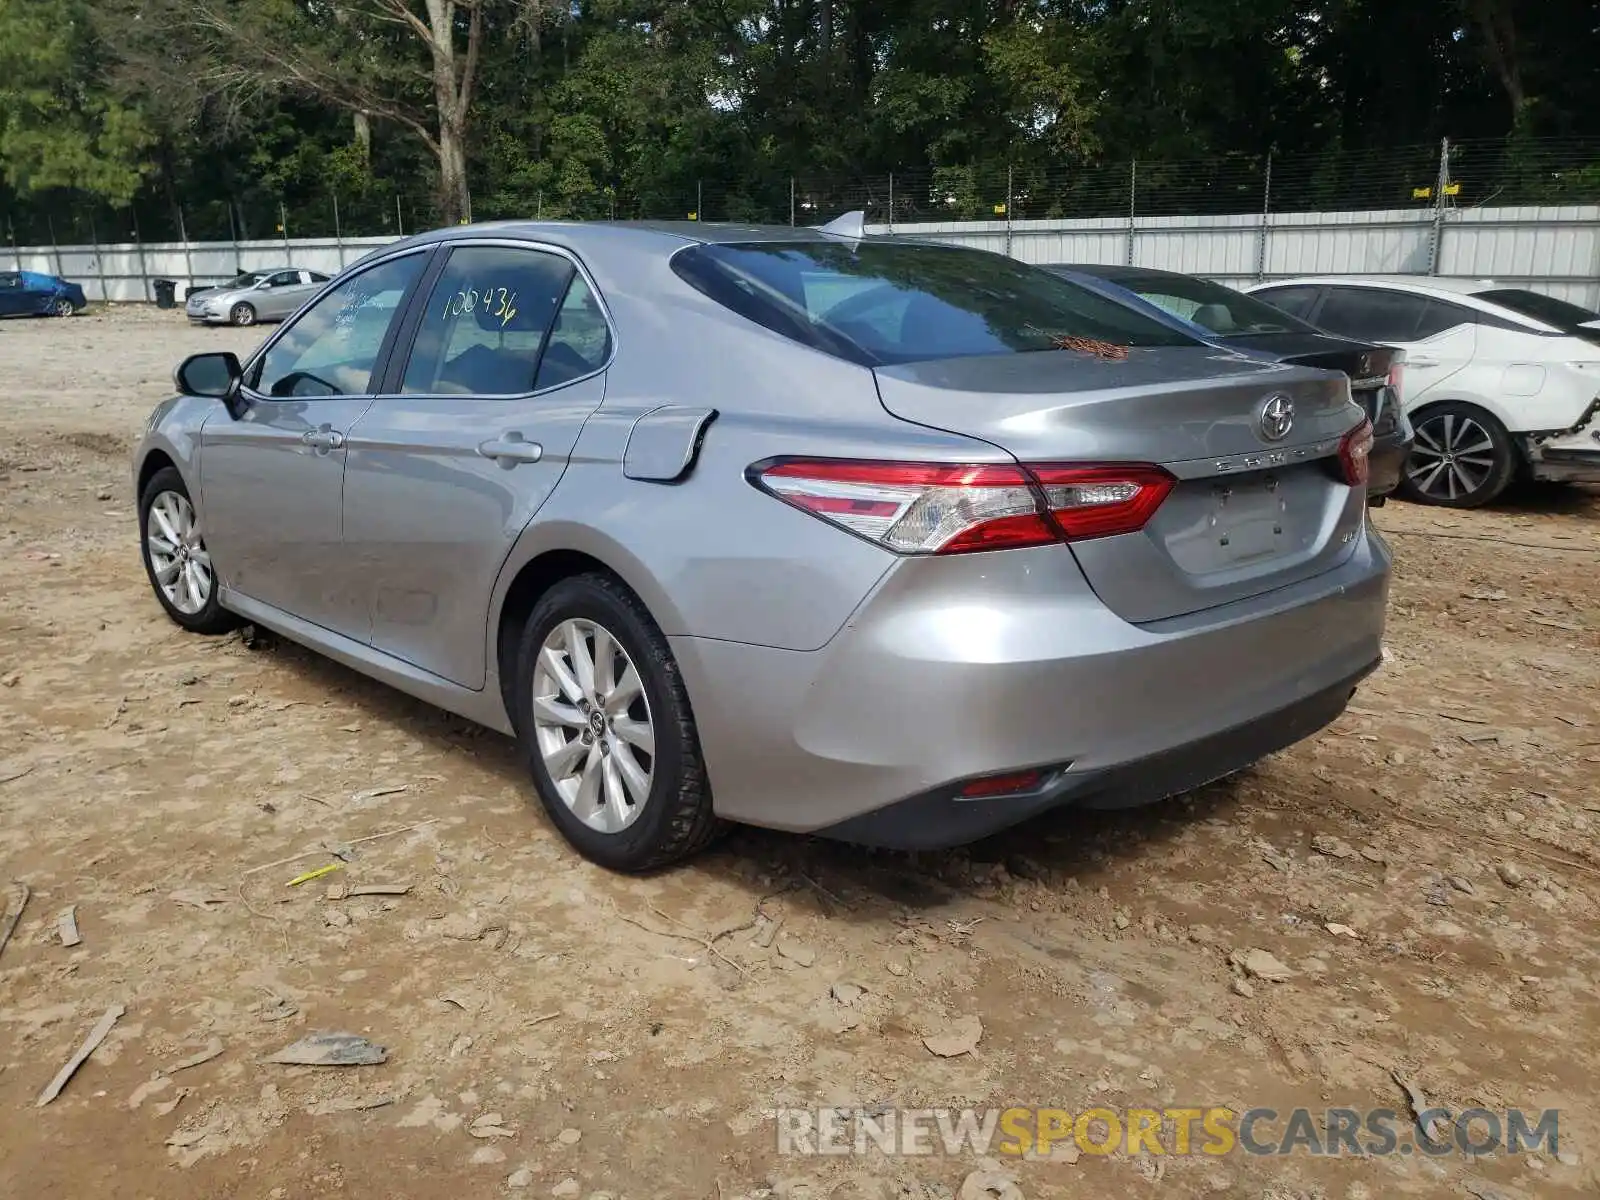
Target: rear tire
1463, 457
620, 805
242, 314
62, 307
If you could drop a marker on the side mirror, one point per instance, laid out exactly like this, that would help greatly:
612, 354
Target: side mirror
217, 375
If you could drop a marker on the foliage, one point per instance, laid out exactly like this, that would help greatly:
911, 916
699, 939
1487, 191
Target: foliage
57, 128
419, 111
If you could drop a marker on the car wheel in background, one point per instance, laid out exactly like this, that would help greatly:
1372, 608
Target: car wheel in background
242, 314
61, 307
605, 725
175, 556
1462, 457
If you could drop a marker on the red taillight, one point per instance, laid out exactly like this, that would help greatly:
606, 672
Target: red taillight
938, 508
1355, 451
1091, 502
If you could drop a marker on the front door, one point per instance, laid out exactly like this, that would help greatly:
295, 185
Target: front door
271, 481
12, 293
476, 428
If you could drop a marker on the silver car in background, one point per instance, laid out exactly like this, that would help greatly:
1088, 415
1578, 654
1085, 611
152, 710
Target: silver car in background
252, 296
898, 543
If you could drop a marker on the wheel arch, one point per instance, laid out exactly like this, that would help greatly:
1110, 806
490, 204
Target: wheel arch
1485, 404
546, 555
155, 459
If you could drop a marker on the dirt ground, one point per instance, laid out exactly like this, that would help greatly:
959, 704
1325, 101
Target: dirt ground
633, 1035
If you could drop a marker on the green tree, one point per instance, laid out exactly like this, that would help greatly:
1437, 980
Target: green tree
60, 127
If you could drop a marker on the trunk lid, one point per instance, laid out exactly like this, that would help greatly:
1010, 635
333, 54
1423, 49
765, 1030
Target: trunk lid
1248, 515
1366, 365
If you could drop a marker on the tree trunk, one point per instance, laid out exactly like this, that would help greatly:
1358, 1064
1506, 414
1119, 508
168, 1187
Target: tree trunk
455, 200
363, 136
454, 77
1499, 32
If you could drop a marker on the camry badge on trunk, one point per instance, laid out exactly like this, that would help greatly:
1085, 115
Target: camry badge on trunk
1276, 418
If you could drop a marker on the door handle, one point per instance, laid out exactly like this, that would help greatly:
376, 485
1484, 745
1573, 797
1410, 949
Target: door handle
511, 449
1420, 362
323, 439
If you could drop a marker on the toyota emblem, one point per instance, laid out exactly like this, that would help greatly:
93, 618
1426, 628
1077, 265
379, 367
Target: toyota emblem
1276, 418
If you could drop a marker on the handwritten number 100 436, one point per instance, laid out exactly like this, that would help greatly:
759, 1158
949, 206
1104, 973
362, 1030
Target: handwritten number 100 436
500, 303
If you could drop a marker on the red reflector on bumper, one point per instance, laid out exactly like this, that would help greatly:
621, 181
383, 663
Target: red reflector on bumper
1001, 785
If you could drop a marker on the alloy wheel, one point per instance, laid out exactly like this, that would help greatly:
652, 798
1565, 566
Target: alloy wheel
178, 557
243, 314
62, 307
592, 725
1453, 457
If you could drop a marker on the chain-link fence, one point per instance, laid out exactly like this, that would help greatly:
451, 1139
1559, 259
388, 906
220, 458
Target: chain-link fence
1445, 175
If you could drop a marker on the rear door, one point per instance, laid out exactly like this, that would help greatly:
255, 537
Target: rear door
1439, 338
500, 367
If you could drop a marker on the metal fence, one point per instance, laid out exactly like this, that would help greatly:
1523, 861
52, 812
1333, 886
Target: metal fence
1553, 249
1524, 212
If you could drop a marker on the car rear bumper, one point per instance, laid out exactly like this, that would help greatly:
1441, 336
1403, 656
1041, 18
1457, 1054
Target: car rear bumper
960, 668
943, 818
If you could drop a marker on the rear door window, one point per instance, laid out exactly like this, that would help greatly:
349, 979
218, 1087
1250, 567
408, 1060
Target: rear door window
484, 328
1296, 301
580, 339
878, 303
1441, 315
1372, 314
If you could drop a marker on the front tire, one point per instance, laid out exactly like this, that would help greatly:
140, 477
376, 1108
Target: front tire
175, 556
242, 314
605, 726
1462, 457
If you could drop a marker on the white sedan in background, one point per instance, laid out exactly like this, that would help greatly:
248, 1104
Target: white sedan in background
1497, 380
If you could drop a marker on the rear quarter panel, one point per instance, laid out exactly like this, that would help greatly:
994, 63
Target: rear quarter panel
711, 555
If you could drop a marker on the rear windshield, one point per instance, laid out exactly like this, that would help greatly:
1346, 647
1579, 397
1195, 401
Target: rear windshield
1213, 307
879, 303
1541, 308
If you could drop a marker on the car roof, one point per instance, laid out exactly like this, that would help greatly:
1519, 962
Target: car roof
665, 236
1421, 284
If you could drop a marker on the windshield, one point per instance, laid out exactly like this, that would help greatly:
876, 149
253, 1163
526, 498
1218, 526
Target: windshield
1548, 309
878, 303
1220, 310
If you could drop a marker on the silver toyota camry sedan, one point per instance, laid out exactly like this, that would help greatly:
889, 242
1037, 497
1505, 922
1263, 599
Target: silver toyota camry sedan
898, 543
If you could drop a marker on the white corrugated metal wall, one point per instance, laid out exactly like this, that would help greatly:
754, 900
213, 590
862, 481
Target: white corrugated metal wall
1551, 249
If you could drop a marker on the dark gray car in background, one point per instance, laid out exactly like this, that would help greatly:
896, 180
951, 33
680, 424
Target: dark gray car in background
899, 543
1248, 324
